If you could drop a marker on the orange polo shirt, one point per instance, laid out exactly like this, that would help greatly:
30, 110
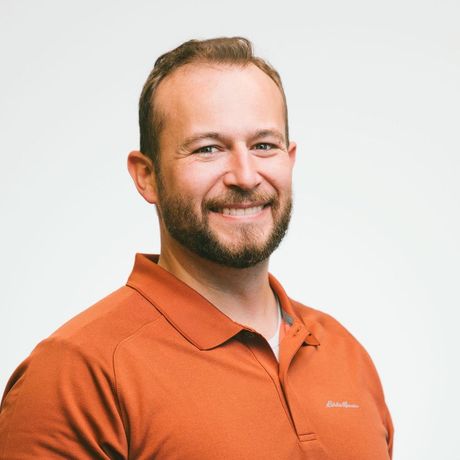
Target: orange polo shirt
154, 371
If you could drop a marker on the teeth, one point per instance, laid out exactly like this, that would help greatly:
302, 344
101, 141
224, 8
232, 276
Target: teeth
242, 211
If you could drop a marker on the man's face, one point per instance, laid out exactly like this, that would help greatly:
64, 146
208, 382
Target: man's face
224, 178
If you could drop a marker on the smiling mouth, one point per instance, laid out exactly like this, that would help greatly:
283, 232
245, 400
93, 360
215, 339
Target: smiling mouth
249, 211
239, 205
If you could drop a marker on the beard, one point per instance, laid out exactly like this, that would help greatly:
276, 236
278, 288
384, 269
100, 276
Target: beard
194, 232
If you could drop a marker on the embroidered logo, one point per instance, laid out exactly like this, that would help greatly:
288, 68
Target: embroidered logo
344, 404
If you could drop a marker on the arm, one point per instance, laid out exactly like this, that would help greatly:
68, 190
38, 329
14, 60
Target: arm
60, 404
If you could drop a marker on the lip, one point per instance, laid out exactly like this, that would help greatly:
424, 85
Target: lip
243, 211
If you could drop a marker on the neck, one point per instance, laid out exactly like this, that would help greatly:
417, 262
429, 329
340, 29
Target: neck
243, 294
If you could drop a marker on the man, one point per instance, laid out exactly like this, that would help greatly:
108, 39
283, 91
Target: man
202, 355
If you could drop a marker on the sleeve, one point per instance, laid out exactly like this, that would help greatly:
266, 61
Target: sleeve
390, 431
376, 389
61, 404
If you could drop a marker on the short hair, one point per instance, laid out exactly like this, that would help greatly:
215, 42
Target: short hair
223, 50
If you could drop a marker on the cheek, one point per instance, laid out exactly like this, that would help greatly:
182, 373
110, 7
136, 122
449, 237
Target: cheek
194, 186
279, 175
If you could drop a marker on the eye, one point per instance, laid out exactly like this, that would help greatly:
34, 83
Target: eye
207, 150
264, 146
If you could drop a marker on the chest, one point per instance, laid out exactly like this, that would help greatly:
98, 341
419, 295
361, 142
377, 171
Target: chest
229, 403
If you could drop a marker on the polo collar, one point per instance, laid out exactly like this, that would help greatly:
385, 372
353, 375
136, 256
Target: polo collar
197, 319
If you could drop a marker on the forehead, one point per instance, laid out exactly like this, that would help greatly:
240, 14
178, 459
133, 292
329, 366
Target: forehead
219, 97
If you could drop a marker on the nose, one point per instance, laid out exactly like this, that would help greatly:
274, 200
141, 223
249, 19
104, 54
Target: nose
242, 171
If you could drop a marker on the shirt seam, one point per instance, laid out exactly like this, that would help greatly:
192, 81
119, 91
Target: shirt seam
115, 380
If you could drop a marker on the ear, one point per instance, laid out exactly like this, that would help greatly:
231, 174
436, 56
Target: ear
292, 151
141, 169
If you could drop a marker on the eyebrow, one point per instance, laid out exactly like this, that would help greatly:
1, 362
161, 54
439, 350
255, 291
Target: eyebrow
262, 133
198, 137
270, 133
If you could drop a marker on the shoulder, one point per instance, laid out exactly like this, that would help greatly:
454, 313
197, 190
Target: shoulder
86, 343
319, 320
63, 397
109, 321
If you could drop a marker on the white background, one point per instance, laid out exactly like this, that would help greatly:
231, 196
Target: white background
374, 96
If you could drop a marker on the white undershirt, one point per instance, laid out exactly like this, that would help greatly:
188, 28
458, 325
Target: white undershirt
274, 341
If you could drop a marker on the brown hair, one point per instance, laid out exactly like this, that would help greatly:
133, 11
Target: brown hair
225, 50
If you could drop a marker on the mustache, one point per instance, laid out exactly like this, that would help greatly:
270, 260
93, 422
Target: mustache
237, 196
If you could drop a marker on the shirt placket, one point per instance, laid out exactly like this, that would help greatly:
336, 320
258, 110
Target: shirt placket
294, 338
